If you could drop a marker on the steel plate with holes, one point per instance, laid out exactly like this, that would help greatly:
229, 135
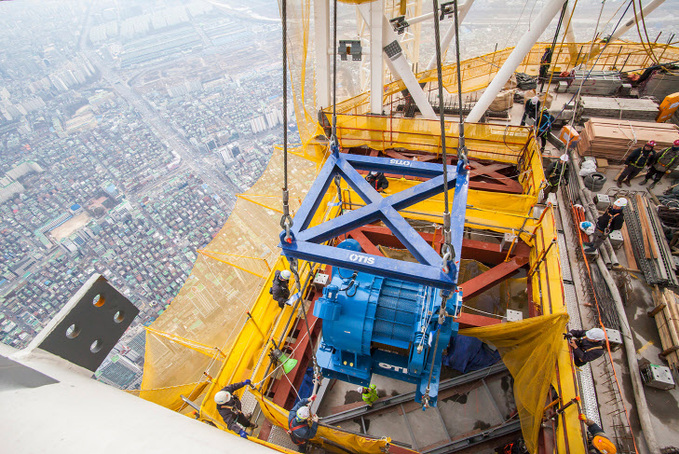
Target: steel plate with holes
98, 316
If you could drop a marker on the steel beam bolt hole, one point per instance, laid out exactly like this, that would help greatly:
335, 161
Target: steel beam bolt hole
96, 346
119, 316
98, 300
72, 331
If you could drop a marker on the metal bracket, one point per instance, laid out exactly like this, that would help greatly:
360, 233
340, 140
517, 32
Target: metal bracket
307, 241
349, 47
400, 24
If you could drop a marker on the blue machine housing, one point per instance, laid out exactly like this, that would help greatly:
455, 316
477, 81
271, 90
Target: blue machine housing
373, 324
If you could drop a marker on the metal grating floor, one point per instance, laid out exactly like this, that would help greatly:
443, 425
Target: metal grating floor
280, 437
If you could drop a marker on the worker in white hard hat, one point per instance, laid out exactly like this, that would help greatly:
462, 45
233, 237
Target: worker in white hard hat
556, 174
368, 394
302, 423
531, 109
377, 180
279, 288
231, 410
586, 345
611, 220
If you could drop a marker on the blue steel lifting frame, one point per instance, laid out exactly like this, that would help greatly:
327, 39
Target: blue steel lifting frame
305, 242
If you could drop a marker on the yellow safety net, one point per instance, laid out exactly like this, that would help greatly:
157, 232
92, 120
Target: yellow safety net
198, 328
327, 437
170, 397
530, 350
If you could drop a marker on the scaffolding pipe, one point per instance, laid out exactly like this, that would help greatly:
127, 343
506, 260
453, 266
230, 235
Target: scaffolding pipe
646, 10
632, 362
607, 253
522, 48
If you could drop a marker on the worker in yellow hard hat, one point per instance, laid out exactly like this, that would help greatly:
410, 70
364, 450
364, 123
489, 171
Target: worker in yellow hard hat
599, 443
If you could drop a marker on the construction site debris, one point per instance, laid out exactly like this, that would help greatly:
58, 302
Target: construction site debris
503, 101
613, 139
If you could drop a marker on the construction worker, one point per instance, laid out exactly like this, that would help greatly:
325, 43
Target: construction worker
545, 61
612, 219
663, 162
598, 441
556, 173
635, 162
531, 109
368, 394
377, 180
230, 409
544, 128
302, 425
586, 345
279, 288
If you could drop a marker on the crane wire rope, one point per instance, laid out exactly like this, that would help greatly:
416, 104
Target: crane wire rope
446, 248
333, 136
286, 219
558, 55
551, 49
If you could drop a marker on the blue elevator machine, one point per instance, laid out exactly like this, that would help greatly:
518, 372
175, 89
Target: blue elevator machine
374, 324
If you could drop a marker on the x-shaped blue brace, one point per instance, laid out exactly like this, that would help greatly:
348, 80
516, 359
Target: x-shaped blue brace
306, 241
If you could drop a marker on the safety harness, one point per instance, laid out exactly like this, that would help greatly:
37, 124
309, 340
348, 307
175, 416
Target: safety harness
607, 230
669, 164
559, 168
641, 155
295, 439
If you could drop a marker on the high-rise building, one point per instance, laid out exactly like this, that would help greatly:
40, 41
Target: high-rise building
118, 371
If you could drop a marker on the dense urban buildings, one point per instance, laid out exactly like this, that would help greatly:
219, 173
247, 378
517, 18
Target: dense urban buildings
126, 130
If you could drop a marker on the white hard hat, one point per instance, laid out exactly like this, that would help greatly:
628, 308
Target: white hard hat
596, 334
564, 157
535, 99
303, 412
285, 275
621, 202
360, 389
374, 173
222, 397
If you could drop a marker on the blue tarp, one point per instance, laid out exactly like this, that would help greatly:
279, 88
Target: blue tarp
307, 386
466, 354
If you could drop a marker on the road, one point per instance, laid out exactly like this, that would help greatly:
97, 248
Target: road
166, 133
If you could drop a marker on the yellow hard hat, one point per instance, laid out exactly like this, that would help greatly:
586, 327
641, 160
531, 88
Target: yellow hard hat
604, 445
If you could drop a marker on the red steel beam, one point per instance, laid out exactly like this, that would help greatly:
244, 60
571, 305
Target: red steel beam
479, 250
492, 277
467, 320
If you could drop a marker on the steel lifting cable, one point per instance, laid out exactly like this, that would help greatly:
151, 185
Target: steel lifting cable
551, 49
334, 146
286, 219
446, 248
317, 370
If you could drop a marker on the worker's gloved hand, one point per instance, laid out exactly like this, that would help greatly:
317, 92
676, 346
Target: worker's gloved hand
312, 398
243, 434
247, 382
314, 418
567, 336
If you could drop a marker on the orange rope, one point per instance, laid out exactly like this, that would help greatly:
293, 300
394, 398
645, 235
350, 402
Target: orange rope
579, 216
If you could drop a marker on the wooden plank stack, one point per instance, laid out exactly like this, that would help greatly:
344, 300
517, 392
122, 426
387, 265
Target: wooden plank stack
666, 315
620, 108
612, 139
